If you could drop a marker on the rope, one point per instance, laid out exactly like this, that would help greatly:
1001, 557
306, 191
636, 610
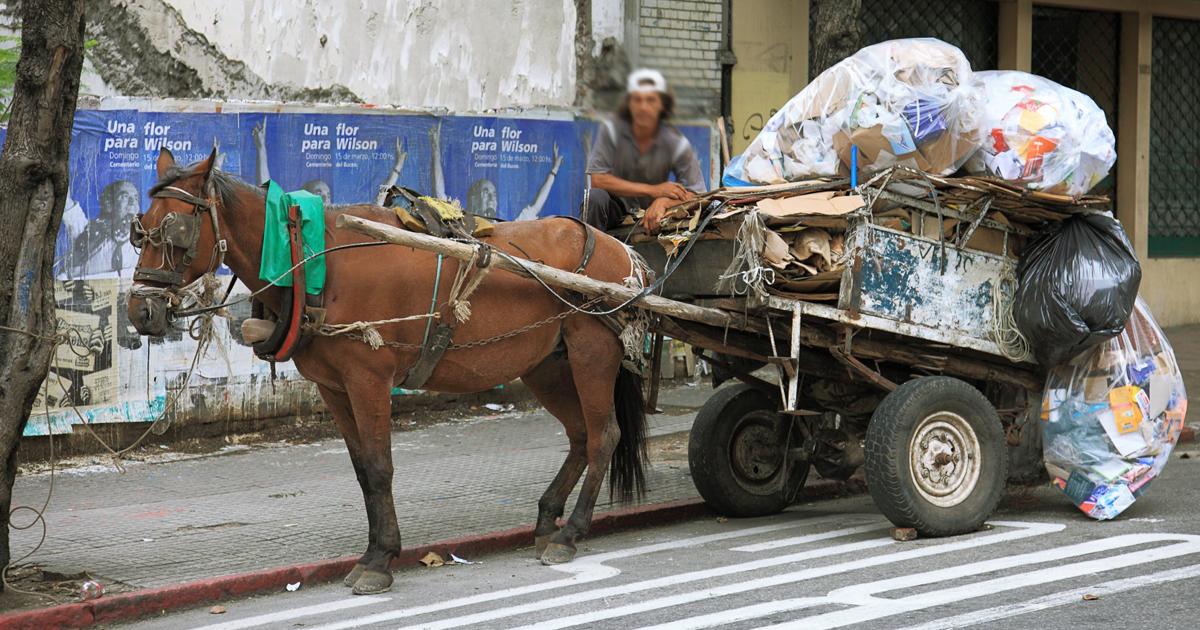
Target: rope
747, 264
366, 331
1012, 343
463, 288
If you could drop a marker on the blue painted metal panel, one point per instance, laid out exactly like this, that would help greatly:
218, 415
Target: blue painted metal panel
909, 279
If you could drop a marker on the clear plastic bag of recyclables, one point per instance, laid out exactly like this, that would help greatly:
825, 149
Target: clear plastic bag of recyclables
910, 101
1112, 416
1042, 135
1076, 287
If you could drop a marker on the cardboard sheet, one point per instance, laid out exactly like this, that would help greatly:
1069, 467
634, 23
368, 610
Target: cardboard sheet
823, 203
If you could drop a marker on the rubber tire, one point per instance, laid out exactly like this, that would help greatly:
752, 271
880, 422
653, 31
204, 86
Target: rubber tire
887, 457
709, 460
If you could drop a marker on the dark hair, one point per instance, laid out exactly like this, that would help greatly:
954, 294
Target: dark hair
668, 110
110, 194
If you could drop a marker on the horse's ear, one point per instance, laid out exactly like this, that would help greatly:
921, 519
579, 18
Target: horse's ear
165, 162
210, 162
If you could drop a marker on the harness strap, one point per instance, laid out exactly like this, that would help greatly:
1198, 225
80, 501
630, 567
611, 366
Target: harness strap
432, 346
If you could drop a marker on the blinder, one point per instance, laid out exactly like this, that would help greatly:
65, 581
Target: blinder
176, 230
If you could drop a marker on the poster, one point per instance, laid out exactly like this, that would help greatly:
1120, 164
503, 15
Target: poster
509, 167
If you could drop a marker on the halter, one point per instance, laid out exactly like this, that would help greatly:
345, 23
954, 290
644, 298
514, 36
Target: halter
177, 230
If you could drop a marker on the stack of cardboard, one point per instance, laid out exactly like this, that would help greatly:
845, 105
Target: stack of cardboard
803, 249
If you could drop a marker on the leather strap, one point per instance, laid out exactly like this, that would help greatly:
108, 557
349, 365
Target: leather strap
431, 355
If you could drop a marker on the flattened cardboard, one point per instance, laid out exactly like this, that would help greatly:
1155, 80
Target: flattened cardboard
822, 203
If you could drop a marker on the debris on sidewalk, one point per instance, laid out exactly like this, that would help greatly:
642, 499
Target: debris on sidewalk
217, 610
432, 559
456, 560
499, 407
293, 587
90, 589
903, 534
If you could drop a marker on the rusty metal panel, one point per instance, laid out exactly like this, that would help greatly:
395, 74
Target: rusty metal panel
698, 275
914, 280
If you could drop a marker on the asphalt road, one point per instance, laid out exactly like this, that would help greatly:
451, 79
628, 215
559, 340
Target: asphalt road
1039, 564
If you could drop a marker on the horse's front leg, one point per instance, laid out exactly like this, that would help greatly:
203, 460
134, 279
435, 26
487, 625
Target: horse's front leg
338, 404
371, 403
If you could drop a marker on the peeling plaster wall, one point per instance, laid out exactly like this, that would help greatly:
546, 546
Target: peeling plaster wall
460, 55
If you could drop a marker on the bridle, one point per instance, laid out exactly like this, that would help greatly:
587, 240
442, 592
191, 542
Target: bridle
177, 230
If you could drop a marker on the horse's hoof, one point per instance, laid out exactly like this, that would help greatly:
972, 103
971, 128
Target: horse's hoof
354, 574
373, 582
557, 553
540, 542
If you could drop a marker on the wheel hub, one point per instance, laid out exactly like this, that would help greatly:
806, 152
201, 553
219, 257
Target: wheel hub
944, 459
757, 452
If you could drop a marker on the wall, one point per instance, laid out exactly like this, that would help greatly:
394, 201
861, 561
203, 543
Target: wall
682, 38
411, 53
772, 63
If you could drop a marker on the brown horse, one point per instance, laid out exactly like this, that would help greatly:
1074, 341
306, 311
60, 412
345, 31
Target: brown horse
573, 366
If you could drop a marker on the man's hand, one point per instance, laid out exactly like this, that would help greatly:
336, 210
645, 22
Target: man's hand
671, 190
652, 220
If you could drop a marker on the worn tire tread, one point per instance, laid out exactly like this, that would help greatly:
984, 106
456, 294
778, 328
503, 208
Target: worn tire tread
712, 476
887, 445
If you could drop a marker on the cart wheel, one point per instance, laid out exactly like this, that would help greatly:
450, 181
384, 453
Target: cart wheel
737, 452
935, 457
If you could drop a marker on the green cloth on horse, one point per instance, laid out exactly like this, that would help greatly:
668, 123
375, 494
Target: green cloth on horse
277, 253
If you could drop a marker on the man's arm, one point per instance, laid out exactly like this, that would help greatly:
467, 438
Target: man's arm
435, 157
533, 210
394, 174
261, 171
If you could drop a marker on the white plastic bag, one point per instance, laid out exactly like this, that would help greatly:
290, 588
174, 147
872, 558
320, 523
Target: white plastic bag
910, 101
1112, 416
1042, 135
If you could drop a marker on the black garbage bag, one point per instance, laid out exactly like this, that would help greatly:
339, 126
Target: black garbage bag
1077, 286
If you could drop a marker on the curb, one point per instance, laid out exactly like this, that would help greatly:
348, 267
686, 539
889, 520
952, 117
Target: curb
129, 606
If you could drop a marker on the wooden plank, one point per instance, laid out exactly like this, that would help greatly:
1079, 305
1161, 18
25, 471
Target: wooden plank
550, 275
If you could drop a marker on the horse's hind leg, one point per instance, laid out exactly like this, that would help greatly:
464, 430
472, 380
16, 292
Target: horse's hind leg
595, 356
551, 383
339, 407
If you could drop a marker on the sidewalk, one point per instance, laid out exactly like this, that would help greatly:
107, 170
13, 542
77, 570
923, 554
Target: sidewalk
166, 523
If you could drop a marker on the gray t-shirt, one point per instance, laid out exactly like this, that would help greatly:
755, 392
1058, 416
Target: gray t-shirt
615, 151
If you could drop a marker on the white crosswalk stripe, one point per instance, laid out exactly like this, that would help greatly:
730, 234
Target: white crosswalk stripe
774, 576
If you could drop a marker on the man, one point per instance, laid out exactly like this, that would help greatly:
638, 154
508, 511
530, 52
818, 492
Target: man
101, 247
635, 154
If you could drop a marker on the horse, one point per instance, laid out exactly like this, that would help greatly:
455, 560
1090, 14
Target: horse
574, 368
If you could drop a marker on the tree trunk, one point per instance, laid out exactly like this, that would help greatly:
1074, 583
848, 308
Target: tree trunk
33, 193
835, 32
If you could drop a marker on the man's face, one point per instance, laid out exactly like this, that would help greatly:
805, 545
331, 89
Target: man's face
486, 200
646, 108
125, 207
321, 189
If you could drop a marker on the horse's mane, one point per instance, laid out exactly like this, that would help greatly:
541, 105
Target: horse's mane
225, 185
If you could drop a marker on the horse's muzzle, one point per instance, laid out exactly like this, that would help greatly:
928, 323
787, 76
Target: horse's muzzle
148, 315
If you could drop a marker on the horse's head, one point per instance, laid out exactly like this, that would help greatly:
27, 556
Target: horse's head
179, 238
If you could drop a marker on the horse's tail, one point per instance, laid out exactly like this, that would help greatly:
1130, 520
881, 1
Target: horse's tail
627, 473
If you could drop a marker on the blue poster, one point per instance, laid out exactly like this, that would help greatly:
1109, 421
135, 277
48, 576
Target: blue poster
344, 158
512, 168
